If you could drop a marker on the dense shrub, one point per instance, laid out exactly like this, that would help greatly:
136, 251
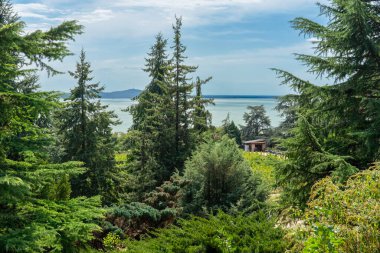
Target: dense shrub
343, 218
218, 178
135, 219
219, 233
263, 165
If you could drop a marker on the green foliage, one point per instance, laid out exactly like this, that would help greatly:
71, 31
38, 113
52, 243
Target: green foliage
201, 117
112, 241
307, 162
36, 214
61, 189
55, 224
167, 121
230, 129
263, 165
24, 111
219, 233
159, 209
152, 136
343, 218
257, 123
135, 219
167, 195
287, 106
218, 178
337, 124
182, 89
323, 240
85, 132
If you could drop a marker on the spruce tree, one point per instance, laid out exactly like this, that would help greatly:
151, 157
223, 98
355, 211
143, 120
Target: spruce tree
201, 118
182, 89
153, 132
36, 214
341, 116
167, 121
85, 127
231, 130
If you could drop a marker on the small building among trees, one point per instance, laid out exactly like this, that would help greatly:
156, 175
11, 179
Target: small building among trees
258, 145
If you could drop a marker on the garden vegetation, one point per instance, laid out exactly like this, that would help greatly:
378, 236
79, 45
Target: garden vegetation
173, 182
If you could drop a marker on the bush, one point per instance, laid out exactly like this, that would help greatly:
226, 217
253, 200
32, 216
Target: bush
132, 219
219, 233
263, 166
218, 177
343, 218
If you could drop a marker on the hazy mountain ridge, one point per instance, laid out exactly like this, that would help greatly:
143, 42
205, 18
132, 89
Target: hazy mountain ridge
130, 93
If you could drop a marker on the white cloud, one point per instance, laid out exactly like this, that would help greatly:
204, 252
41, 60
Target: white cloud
95, 16
113, 27
146, 17
265, 57
200, 12
33, 10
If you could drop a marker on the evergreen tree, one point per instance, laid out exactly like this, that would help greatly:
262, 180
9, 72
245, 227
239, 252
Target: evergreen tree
257, 122
85, 126
201, 118
182, 89
167, 121
342, 116
218, 178
287, 106
230, 129
153, 136
36, 214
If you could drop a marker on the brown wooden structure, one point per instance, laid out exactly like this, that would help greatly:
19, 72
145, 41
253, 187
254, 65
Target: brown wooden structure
258, 145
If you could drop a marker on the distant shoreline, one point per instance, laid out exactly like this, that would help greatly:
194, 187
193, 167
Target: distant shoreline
242, 96
131, 93
216, 97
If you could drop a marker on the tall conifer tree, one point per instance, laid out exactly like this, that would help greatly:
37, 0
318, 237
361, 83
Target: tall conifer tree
85, 126
337, 123
153, 132
201, 118
182, 90
36, 213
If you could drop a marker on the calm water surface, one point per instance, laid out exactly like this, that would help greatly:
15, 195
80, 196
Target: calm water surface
234, 106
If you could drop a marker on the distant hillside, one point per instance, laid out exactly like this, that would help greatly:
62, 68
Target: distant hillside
131, 93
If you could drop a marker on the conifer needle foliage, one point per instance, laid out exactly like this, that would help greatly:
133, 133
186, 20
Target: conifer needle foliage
86, 134
36, 211
338, 132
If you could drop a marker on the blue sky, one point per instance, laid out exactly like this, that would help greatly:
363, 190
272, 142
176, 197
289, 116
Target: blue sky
234, 41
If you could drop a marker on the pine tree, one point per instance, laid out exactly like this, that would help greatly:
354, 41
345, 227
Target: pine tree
182, 89
36, 214
85, 126
344, 115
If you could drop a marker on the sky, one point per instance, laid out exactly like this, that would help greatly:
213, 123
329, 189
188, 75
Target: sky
237, 42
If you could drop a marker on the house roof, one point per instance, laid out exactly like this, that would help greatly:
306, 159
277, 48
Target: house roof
258, 141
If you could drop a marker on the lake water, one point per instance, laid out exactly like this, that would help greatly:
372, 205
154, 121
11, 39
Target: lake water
236, 107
